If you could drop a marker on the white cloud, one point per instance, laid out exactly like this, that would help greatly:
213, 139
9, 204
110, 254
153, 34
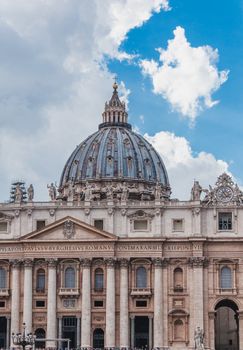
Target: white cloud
54, 79
185, 76
183, 166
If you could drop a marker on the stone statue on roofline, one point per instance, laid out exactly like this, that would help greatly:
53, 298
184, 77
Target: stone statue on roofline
18, 194
30, 192
196, 191
52, 191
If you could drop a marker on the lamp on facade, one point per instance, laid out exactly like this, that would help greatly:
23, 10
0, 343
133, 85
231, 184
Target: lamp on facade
23, 339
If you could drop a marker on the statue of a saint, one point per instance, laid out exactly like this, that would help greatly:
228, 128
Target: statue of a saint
198, 338
88, 192
30, 192
124, 192
157, 191
109, 192
18, 193
52, 191
196, 191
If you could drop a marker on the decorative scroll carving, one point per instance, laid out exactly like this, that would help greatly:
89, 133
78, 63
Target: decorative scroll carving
69, 229
225, 192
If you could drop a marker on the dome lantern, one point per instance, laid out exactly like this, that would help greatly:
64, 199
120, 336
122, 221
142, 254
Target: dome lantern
115, 111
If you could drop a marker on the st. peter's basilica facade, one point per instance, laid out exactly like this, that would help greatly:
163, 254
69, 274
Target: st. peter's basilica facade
113, 261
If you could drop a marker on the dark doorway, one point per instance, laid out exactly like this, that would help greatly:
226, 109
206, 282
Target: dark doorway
69, 330
40, 334
226, 326
98, 338
141, 336
3, 332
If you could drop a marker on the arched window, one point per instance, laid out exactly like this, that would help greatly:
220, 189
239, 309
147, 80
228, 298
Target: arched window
40, 280
70, 281
178, 278
141, 277
225, 278
178, 330
98, 338
99, 279
40, 334
2, 277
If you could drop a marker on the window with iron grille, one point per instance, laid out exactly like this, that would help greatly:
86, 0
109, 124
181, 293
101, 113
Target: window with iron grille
2, 277
225, 221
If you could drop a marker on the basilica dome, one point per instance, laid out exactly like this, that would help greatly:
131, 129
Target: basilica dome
116, 154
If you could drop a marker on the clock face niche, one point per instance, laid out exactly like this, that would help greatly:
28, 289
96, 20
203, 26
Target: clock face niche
224, 194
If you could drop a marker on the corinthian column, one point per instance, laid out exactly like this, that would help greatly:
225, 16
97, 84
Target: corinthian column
158, 316
15, 299
197, 264
27, 307
86, 305
110, 316
124, 320
52, 304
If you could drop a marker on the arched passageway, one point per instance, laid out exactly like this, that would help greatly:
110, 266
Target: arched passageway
226, 325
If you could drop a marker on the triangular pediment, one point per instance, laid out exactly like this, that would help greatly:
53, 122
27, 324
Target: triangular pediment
69, 229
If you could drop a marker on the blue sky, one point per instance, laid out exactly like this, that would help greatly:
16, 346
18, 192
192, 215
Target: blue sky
58, 62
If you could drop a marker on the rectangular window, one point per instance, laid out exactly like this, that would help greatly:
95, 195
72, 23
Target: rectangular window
141, 303
40, 303
99, 224
225, 221
140, 225
40, 224
98, 303
2, 304
177, 224
3, 227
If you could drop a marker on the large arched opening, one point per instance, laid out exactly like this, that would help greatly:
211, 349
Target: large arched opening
226, 325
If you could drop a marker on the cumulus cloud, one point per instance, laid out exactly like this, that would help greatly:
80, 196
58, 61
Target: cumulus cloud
185, 76
54, 79
183, 166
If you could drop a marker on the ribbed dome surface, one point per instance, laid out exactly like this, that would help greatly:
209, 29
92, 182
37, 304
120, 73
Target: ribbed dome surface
115, 153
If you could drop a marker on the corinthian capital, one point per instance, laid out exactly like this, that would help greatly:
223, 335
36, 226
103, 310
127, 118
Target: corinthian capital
52, 262
110, 262
123, 262
28, 263
85, 262
198, 261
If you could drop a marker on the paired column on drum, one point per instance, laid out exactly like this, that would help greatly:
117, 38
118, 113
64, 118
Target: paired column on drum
15, 293
124, 318
51, 303
86, 305
27, 307
110, 304
158, 302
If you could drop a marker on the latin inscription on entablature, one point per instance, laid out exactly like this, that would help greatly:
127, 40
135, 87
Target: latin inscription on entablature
85, 247
177, 247
139, 247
